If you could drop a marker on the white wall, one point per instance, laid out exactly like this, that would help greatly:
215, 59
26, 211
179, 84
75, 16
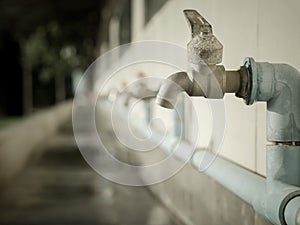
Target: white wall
267, 30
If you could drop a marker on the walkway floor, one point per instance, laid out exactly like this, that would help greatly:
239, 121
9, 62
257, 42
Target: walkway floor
60, 188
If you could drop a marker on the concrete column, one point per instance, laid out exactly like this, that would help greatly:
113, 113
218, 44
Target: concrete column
138, 17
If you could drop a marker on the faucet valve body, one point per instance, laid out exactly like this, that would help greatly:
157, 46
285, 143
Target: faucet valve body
210, 82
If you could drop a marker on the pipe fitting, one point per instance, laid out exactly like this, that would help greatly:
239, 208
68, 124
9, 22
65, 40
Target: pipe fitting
278, 85
292, 211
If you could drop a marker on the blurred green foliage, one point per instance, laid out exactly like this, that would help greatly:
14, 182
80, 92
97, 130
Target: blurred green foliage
6, 121
47, 49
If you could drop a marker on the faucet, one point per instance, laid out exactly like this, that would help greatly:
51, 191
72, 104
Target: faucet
276, 84
141, 90
145, 89
208, 79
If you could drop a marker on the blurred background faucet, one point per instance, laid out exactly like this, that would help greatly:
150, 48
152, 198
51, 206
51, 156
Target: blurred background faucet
144, 88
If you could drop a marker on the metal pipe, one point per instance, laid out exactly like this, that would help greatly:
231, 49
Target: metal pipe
270, 199
240, 181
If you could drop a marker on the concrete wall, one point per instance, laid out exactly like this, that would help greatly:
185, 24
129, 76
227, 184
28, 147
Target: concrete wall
264, 29
18, 142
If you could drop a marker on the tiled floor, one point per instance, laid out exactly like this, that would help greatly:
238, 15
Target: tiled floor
60, 188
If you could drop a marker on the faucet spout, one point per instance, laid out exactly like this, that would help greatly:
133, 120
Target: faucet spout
172, 87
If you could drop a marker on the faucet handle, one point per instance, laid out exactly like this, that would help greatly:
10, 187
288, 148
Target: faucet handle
198, 23
204, 46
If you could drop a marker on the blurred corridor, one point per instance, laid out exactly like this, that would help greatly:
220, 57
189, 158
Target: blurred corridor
60, 188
